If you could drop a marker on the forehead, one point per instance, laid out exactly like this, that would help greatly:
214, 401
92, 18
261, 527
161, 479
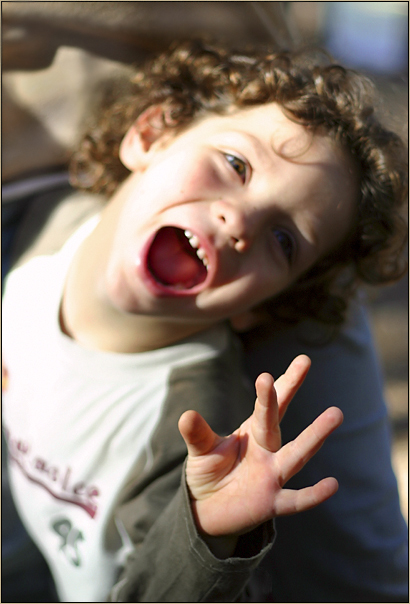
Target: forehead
268, 129
268, 132
267, 121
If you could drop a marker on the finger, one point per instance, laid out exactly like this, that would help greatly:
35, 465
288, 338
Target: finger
294, 455
289, 383
292, 502
197, 434
265, 419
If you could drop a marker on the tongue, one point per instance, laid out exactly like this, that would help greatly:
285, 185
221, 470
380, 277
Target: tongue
173, 262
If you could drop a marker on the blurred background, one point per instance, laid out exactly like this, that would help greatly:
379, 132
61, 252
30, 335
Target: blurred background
373, 37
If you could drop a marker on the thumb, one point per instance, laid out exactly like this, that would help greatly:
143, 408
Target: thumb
197, 434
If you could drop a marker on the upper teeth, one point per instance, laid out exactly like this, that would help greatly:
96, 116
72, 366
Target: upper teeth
194, 242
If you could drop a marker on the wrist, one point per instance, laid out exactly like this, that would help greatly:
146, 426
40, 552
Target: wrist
221, 546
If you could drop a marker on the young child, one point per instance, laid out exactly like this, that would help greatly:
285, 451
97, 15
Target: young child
240, 187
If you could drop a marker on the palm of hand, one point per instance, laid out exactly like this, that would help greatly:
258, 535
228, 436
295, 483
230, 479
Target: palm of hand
236, 482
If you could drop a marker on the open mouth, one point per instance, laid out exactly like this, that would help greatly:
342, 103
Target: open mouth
176, 259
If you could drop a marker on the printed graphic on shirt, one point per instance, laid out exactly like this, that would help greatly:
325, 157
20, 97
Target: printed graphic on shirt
59, 482
70, 539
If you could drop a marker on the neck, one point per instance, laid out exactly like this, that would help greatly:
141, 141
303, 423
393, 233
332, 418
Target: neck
112, 332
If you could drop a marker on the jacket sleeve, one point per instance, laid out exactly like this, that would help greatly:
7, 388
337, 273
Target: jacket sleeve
169, 561
172, 563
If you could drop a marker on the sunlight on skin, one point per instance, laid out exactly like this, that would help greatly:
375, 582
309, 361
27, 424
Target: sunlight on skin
236, 482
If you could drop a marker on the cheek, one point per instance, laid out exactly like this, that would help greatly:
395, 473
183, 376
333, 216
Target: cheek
195, 179
164, 187
179, 168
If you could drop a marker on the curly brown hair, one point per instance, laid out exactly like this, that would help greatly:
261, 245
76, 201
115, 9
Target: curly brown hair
195, 78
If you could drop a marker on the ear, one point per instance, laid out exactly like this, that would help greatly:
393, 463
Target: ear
145, 131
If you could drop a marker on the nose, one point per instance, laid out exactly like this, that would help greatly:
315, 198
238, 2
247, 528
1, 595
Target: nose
233, 223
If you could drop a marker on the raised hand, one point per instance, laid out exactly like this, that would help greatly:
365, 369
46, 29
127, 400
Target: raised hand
236, 482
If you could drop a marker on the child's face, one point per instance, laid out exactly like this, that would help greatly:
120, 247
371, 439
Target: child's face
220, 190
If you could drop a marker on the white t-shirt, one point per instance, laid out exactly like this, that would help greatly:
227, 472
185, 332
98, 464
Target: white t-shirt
76, 421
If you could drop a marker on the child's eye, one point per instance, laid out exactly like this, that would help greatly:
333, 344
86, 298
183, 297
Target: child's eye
287, 243
239, 165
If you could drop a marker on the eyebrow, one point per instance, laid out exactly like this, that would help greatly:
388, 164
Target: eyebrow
258, 148
251, 141
264, 156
